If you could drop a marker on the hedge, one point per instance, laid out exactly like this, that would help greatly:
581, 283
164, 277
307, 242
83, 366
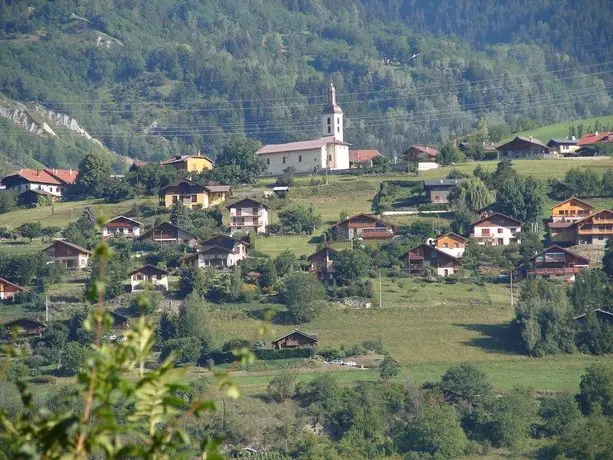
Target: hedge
284, 353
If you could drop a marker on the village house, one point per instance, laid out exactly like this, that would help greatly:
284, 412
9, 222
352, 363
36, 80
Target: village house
489, 148
193, 195
121, 226
167, 233
8, 290
595, 229
295, 339
418, 260
421, 152
148, 275
362, 158
451, 243
26, 326
248, 215
190, 163
219, 251
68, 254
321, 263
571, 210
564, 146
364, 226
525, 147
50, 180
327, 152
595, 138
437, 190
557, 263
603, 316
496, 230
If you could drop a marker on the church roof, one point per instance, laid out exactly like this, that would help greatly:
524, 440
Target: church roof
300, 145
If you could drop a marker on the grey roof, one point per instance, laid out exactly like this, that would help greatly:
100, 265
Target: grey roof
449, 182
563, 141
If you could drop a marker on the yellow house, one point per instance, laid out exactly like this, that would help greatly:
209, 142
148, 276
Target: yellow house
190, 163
193, 195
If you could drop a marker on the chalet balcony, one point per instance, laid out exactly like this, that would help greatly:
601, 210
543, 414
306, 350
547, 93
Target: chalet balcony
375, 233
595, 231
551, 271
322, 267
246, 214
236, 223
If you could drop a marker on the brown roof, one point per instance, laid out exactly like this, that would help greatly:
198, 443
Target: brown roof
149, 269
123, 217
452, 235
594, 215
304, 334
530, 140
167, 225
558, 248
218, 188
358, 156
573, 198
300, 145
323, 248
434, 248
17, 286
370, 216
68, 243
430, 151
247, 202
494, 215
560, 224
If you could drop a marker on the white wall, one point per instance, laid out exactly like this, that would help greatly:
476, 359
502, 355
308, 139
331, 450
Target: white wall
304, 161
53, 189
247, 215
494, 234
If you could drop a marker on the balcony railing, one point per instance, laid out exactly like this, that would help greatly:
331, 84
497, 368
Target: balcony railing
376, 233
246, 214
555, 271
595, 231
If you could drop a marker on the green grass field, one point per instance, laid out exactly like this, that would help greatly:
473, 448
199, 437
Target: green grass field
560, 130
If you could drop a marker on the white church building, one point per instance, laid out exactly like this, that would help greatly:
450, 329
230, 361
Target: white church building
327, 152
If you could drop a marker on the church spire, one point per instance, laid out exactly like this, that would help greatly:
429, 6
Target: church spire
331, 94
332, 116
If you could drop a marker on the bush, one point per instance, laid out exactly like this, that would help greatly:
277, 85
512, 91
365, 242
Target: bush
283, 353
331, 354
465, 383
282, 386
16, 370
43, 380
186, 350
557, 413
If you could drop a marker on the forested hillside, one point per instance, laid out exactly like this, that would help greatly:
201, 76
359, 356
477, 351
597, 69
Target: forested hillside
153, 78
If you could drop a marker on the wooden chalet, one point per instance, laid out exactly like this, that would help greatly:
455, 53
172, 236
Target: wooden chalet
8, 289
451, 243
295, 339
321, 262
149, 275
26, 326
219, 251
556, 262
419, 152
364, 226
564, 146
525, 147
419, 259
168, 233
571, 210
595, 229
68, 254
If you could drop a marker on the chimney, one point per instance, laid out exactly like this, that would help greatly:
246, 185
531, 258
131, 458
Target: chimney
70, 172
596, 133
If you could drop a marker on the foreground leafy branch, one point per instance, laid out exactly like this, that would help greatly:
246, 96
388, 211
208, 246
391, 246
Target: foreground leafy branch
151, 426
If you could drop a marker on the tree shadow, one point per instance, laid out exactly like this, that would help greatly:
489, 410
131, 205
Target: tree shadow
495, 338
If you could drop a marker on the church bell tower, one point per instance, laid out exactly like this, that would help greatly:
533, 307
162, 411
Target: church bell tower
332, 116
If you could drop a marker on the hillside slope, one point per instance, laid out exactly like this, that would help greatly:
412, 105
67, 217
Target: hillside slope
153, 78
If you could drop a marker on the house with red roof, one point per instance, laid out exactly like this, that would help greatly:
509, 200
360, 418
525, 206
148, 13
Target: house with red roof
595, 138
362, 158
49, 180
329, 152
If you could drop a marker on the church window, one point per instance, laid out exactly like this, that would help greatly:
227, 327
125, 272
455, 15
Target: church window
338, 121
299, 158
329, 129
283, 160
329, 120
338, 129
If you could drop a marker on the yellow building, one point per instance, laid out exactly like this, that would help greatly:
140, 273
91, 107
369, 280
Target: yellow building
190, 163
193, 195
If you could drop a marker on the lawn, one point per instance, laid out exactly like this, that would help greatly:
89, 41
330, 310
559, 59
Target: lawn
427, 327
560, 130
300, 245
23, 246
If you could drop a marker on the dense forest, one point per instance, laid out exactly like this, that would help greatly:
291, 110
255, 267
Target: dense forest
158, 77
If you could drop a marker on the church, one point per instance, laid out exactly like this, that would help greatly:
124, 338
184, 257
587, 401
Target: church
327, 152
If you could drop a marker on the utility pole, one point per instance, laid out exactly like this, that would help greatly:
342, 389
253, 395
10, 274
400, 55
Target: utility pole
46, 308
511, 279
380, 290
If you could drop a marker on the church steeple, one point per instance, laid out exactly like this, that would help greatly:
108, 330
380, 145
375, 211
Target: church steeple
332, 116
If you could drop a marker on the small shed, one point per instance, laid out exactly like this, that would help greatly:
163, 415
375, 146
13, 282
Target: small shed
295, 339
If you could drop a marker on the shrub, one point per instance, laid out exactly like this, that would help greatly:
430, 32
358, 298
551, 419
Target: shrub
284, 353
44, 380
15, 371
185, 349
465, 383
557, 413
282, 386
331, 354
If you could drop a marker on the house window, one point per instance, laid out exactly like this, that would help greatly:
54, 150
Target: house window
139, 277
268, 161
499, 230
175, 198
254, 210
194, 198
159, 277
456, 245
299, 158
283, 160
446, 245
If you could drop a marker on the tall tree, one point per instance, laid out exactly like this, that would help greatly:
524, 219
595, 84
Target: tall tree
94, 174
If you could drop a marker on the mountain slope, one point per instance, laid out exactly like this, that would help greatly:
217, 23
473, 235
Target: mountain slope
158, 77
